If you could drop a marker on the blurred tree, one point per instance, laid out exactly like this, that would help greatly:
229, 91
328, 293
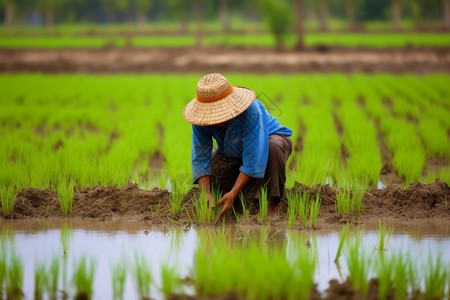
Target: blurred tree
198, 20
279, 16
8, 7
109, 7
352, 7
396, 14
446, 13
223, 15
143, 7
123, 6
299, 24
180, 9
47, 9
323, 15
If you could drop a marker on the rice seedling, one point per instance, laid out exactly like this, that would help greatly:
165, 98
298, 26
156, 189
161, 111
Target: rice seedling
65, 194
384, 272
292, 208
245, 210
263, 205
384, 237
435, 277
119, 275
303, 208
40, 281
358, 265
142, 276
3, 268
53, 279
14, 278
350, 200
176, 198
8, 198
203, 212
83, 278
343, 235
314, 210
400, 275
170, 280
66, 233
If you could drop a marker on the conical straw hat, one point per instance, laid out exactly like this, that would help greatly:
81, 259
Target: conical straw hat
217, 101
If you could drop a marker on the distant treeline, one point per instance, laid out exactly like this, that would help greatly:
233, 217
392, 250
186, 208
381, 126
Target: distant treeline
49, 12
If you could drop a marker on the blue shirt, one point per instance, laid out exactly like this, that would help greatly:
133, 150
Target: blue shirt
245, 136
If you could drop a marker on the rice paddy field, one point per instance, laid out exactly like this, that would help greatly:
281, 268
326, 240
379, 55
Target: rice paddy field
97, 200
375, 40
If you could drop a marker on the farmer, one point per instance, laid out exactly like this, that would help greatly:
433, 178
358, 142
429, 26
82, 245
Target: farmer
252, 146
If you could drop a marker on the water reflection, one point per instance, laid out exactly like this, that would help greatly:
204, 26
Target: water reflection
170, 254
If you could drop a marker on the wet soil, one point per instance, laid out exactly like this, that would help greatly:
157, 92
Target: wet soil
336, 291
152, 207
226, 59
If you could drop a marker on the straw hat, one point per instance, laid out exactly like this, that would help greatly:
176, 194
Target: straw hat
217, 101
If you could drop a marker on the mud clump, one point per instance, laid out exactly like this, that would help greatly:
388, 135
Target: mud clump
112, 202
417, 201
99, 202
36, 203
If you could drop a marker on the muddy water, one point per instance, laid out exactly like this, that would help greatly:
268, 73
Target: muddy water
108, 243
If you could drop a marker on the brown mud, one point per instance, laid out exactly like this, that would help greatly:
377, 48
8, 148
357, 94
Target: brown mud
226, 59
418, 201
336, 291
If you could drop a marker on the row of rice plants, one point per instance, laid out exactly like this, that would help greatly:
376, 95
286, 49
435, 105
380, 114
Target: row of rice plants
266, 40
56, 137
216, 270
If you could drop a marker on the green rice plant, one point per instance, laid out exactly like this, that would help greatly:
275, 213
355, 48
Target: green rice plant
303, 208
358, 263
66, 233
171, 283
8, 199
40, 281
435, 277
65, 194
142, 275
203, 212
293, 200
263, 205
14, 278
435, 137
348, 201
53, 279
384, 237
414, 275
83, 278
118, 276
343, 235
245, 210
3, 268
400, 275
384, 272
314, 210
176, 198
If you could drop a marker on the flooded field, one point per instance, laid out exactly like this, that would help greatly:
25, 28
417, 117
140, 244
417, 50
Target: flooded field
105, 244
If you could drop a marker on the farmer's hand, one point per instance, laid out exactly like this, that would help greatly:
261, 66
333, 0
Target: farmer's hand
227, 203
210, 199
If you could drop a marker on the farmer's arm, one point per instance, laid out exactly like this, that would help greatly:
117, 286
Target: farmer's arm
201, 158
254, 157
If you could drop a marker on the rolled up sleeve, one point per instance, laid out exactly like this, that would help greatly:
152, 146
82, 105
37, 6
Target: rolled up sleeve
201, 152
255, 144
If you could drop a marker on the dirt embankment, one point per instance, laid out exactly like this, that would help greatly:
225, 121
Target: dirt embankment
224, 59
418, 201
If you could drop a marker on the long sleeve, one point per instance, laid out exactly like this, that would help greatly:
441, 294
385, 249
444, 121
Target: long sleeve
201, 151
255, 143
